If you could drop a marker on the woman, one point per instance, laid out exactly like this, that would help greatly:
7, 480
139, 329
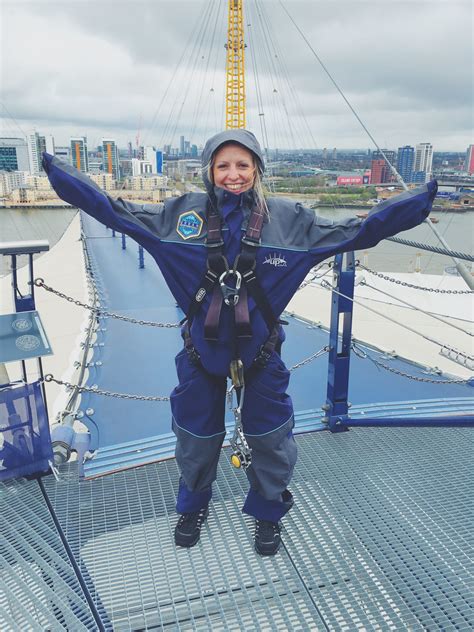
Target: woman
207, 245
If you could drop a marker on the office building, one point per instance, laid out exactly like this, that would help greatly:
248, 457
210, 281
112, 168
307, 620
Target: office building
155, 158
14, 155
406, 162
105, 181
79, 156
181, 146
381, 172
36, 146
11, 180
469, 162
424, 159
110, 158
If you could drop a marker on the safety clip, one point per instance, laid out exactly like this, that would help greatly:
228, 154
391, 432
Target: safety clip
230, 294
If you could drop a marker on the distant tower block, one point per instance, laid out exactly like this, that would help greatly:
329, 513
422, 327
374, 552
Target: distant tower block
235, 69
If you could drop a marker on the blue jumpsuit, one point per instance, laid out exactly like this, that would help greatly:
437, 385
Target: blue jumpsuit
292, 241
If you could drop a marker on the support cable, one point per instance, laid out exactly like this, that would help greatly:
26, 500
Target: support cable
327, 286
72, 559
363, 282
459, 265
454, 254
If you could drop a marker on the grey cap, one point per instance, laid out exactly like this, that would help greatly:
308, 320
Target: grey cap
241, 136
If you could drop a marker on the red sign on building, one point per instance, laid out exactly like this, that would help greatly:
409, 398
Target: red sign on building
343, 181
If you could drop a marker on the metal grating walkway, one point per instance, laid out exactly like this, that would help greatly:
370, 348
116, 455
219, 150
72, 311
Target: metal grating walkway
379, 539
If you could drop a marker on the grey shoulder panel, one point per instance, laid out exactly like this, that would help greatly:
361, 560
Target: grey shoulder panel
288, 224
296, 227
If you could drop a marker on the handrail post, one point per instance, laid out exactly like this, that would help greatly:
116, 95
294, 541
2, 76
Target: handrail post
340, 342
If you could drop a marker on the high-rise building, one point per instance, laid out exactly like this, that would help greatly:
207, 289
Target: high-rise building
110, 158
36, 145
424, 159
469, 162
14, 155
406, 162
378, 172
181, 146
79, 156
381, 172
155, 158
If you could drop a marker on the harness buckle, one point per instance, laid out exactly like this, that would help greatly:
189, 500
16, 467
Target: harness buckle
230, 294
262, 357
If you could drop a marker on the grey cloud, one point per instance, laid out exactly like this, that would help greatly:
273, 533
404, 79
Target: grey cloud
103, 65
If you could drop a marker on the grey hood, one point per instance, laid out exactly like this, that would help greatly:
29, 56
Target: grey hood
241, 136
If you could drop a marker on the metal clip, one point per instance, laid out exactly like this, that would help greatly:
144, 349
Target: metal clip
237, 373
230, 294
242, 453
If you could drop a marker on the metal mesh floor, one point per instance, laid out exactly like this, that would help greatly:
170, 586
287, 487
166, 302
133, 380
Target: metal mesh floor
39, 589
379, 539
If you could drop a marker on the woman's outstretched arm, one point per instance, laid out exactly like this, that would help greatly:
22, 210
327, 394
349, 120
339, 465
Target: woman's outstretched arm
399, 213
142, 222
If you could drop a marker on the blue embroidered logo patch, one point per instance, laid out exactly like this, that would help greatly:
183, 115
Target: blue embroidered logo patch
189, 225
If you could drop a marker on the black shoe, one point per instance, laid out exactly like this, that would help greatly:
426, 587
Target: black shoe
188, 529
267, 537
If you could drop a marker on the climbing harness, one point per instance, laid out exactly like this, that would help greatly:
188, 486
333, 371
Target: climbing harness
233, 286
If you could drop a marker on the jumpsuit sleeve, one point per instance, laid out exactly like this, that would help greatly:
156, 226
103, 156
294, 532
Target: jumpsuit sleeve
399, 213
141, 222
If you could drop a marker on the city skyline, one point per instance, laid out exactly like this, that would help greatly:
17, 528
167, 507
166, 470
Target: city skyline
104, 73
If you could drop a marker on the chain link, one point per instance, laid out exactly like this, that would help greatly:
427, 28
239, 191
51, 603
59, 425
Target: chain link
310, 358
315, 276
97, 391
148, 398
40, 283
415, 287
362, 354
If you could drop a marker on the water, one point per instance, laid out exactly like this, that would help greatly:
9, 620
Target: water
32, 224
456, 228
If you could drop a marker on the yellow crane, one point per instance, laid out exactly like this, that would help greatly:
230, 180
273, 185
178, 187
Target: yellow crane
235, 70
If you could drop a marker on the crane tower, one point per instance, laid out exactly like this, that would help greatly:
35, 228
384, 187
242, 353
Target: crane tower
235, 75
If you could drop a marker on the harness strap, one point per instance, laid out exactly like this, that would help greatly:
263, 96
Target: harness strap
211, 324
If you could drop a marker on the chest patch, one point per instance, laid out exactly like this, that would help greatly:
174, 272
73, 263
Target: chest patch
189, 225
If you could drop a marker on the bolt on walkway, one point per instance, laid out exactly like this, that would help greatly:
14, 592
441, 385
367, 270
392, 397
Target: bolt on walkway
379, 539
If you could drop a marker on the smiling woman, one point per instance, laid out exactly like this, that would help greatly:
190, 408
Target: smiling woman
222, 260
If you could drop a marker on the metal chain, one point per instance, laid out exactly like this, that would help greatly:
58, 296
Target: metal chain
310, 358
148, 398
315, 276
415, 287
97, 391
40, 283
362, 354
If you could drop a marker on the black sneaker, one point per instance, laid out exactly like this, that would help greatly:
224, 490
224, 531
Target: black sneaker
267, 537
188, 529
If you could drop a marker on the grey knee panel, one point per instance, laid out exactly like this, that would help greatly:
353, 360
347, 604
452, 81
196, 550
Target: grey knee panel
197, 457
273, 460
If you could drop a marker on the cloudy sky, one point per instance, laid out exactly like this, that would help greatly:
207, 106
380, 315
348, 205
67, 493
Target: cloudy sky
155, 69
